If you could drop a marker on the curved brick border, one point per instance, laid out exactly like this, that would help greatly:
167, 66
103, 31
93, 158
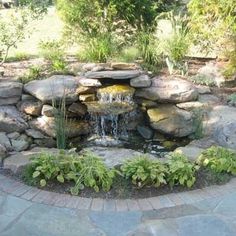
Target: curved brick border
32, 194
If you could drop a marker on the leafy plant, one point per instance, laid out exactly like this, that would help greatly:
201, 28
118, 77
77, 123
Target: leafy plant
54, 52
128, 54
144, 171
60, 121
202, 80
92, 173
232, 99
34, 73
98, 49
14, 26
148, 47
219, 159
181, 171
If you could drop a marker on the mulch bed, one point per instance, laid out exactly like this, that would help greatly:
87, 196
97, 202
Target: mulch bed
124, 189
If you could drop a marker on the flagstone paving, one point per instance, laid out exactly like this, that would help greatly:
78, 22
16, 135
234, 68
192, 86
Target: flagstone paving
202, 216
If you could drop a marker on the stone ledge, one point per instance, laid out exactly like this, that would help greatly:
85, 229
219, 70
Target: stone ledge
33, 194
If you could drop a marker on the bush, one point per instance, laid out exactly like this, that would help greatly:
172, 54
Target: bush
232, 99
144, 171
92, 173
202, 80
34, 73
181, 171
85, 171
54, 52
219, 160
98, 49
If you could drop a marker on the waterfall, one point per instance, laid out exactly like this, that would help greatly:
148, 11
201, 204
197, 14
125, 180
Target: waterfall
109, 115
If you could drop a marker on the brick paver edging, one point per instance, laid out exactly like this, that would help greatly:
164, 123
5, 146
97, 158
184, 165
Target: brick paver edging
32, 194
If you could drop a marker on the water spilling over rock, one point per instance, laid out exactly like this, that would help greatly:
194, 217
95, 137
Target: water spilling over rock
109, 114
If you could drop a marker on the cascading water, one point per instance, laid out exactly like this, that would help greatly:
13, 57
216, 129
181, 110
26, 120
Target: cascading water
109, 114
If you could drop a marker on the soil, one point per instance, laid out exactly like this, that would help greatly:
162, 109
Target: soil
124, 189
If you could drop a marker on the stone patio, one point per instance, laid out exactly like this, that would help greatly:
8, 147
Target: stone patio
27, 211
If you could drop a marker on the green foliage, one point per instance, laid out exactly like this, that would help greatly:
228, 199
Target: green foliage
34, 73
54, 52
232, 99
60, 121
85, 171
14, 27
202, 80
98, 49
128, 54
92, 173
144, 171
19, 56
212, 20
198, 116
148, 47
181, 171
219, 159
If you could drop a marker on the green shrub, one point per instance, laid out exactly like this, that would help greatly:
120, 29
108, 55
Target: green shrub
202, 80
144, 171
148, 46
85, 171
128, 54
181, 171
60, 121
98, 49
232, 99
219, 160
54, 52
92, 173
34, 73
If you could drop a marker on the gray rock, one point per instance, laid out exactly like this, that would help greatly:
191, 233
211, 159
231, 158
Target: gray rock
10, 93
21, 144
4, 141
190, 105
46, 142
114, 156
35, 134
16, 161
190, 151
145, 132
171, 90
124, 66
119, 74
48, 111
171, 120
88, 66
54, 88
32, 108
225, 135
13, 135
219, 116
89, 82
208, 100
3, 153
78, 108
143, 81
203, 89
47, 125
11, 120
27, 97
212, 72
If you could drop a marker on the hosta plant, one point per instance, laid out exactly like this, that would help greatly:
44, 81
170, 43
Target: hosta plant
219, 160
181, 171
144, 171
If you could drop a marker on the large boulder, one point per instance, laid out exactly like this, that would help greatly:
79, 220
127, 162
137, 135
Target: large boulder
11, 120
221, 125
142, 81
118, 74
170, 120
54, 88
10, 93
172, 90
17, 161
47, 125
